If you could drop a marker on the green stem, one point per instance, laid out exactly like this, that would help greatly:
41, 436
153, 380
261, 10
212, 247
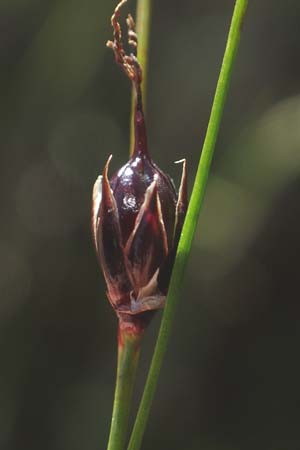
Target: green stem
128, 355
143, 19
190, 224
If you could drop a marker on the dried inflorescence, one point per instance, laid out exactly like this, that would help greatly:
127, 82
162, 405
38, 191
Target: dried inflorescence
129, 63
137, 214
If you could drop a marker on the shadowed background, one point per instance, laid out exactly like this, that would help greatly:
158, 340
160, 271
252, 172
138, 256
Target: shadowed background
231, 377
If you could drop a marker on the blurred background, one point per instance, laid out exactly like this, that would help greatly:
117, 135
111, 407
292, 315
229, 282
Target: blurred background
231, 377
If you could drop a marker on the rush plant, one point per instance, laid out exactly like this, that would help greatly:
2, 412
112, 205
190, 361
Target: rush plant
141, 238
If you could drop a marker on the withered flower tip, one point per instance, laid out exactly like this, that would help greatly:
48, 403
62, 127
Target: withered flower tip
137, 215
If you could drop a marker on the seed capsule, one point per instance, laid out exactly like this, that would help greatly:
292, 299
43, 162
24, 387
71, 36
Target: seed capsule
137, 215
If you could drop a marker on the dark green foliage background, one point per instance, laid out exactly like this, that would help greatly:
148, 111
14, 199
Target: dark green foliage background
231, 377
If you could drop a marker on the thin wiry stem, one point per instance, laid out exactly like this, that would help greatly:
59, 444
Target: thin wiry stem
190, 224
128, 355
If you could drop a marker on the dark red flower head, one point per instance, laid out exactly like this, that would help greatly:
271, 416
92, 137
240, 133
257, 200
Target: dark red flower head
137, 214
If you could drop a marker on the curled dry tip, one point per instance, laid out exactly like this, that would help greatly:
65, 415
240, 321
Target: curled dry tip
110, 45
132, 36
128, 62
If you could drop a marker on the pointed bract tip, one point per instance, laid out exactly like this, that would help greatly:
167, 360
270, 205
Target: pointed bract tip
96, 202
182, 203
182, 195
180, 161
151, 189
149, 195
108, 200
105, 169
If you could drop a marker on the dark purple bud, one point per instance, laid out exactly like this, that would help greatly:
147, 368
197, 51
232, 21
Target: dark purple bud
137, 215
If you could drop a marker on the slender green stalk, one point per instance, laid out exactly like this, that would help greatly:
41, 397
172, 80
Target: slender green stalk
143, 20
190, 224
128, 355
